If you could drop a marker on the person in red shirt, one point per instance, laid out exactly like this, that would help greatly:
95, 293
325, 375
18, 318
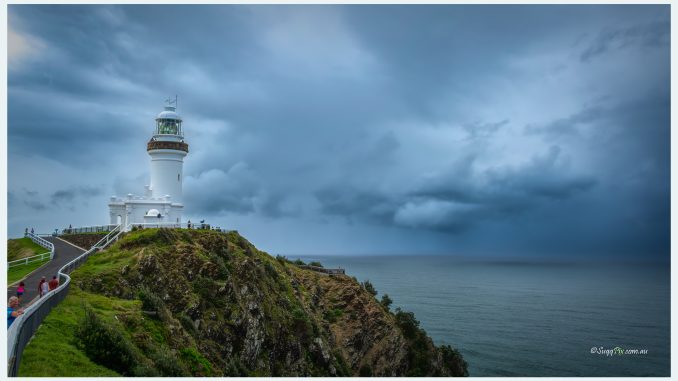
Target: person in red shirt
54, 283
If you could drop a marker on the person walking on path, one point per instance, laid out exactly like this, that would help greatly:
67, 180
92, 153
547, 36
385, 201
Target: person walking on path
20, 290
54, 283
13, 310
43, 287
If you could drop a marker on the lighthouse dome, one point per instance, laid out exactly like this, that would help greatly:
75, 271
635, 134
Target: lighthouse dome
168, 113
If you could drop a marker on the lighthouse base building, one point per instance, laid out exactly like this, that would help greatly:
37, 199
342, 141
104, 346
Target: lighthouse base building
161, 201
135, 209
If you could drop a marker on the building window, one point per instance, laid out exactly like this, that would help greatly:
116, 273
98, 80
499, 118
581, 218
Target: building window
178, 176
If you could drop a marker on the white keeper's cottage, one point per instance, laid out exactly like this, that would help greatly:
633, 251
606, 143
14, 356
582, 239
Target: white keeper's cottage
161, 201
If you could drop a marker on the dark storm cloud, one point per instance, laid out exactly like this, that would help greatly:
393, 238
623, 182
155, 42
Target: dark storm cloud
351, 204
568, 125
500, 124
483, 130
64, 196
650, 35
509, 189
462, 197
215, 191
35, 205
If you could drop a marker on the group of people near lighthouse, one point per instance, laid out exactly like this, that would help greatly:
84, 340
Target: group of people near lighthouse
13, 309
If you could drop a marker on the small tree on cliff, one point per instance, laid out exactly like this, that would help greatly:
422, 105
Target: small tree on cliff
367, 285
386, 301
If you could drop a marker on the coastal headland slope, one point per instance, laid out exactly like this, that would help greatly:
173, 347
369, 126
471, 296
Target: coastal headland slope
178, 302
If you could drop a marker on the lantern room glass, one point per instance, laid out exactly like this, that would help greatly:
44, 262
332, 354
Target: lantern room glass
168, 127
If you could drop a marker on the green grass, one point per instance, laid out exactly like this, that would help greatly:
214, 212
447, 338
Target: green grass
53, 351
17, 273
22, 248
105, 262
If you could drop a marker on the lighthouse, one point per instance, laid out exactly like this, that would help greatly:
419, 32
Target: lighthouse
161, 202
167, 150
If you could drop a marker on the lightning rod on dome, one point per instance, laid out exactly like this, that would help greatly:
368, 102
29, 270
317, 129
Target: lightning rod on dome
169, 101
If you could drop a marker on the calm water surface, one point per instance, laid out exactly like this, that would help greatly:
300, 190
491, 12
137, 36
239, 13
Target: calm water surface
521, 319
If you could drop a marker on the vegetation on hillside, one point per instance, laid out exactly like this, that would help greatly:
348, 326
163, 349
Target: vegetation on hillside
180, 302
22, 248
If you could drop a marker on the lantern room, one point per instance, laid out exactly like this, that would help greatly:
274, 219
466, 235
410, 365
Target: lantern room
168, 122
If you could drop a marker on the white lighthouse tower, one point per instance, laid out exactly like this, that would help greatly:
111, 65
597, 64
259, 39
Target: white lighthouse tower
162, 199
167, 150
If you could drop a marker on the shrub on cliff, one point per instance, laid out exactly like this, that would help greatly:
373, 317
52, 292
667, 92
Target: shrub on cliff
367, 285
365, 371
303, 327
167, 363
199, 364
106, 345
386, 301
408, 324
454, 360
419, 351
149, 300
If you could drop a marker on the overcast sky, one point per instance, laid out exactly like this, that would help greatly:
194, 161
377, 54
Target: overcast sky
534, 131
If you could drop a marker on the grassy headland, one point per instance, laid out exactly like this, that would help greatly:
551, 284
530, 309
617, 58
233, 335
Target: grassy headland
163, 302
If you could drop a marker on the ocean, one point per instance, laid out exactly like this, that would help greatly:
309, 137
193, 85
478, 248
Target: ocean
532, 319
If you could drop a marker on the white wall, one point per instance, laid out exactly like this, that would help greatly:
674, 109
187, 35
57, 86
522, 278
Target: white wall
134, 211
167, 173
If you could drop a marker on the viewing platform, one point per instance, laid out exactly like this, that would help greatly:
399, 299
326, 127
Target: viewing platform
337, 271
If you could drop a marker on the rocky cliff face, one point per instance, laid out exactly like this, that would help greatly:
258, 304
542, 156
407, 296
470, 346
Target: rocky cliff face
238, 311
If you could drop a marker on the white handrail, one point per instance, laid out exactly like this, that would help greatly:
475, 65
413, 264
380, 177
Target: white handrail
42, 242
25, 261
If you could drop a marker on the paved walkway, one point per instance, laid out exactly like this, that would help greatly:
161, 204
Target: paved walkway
63, 253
